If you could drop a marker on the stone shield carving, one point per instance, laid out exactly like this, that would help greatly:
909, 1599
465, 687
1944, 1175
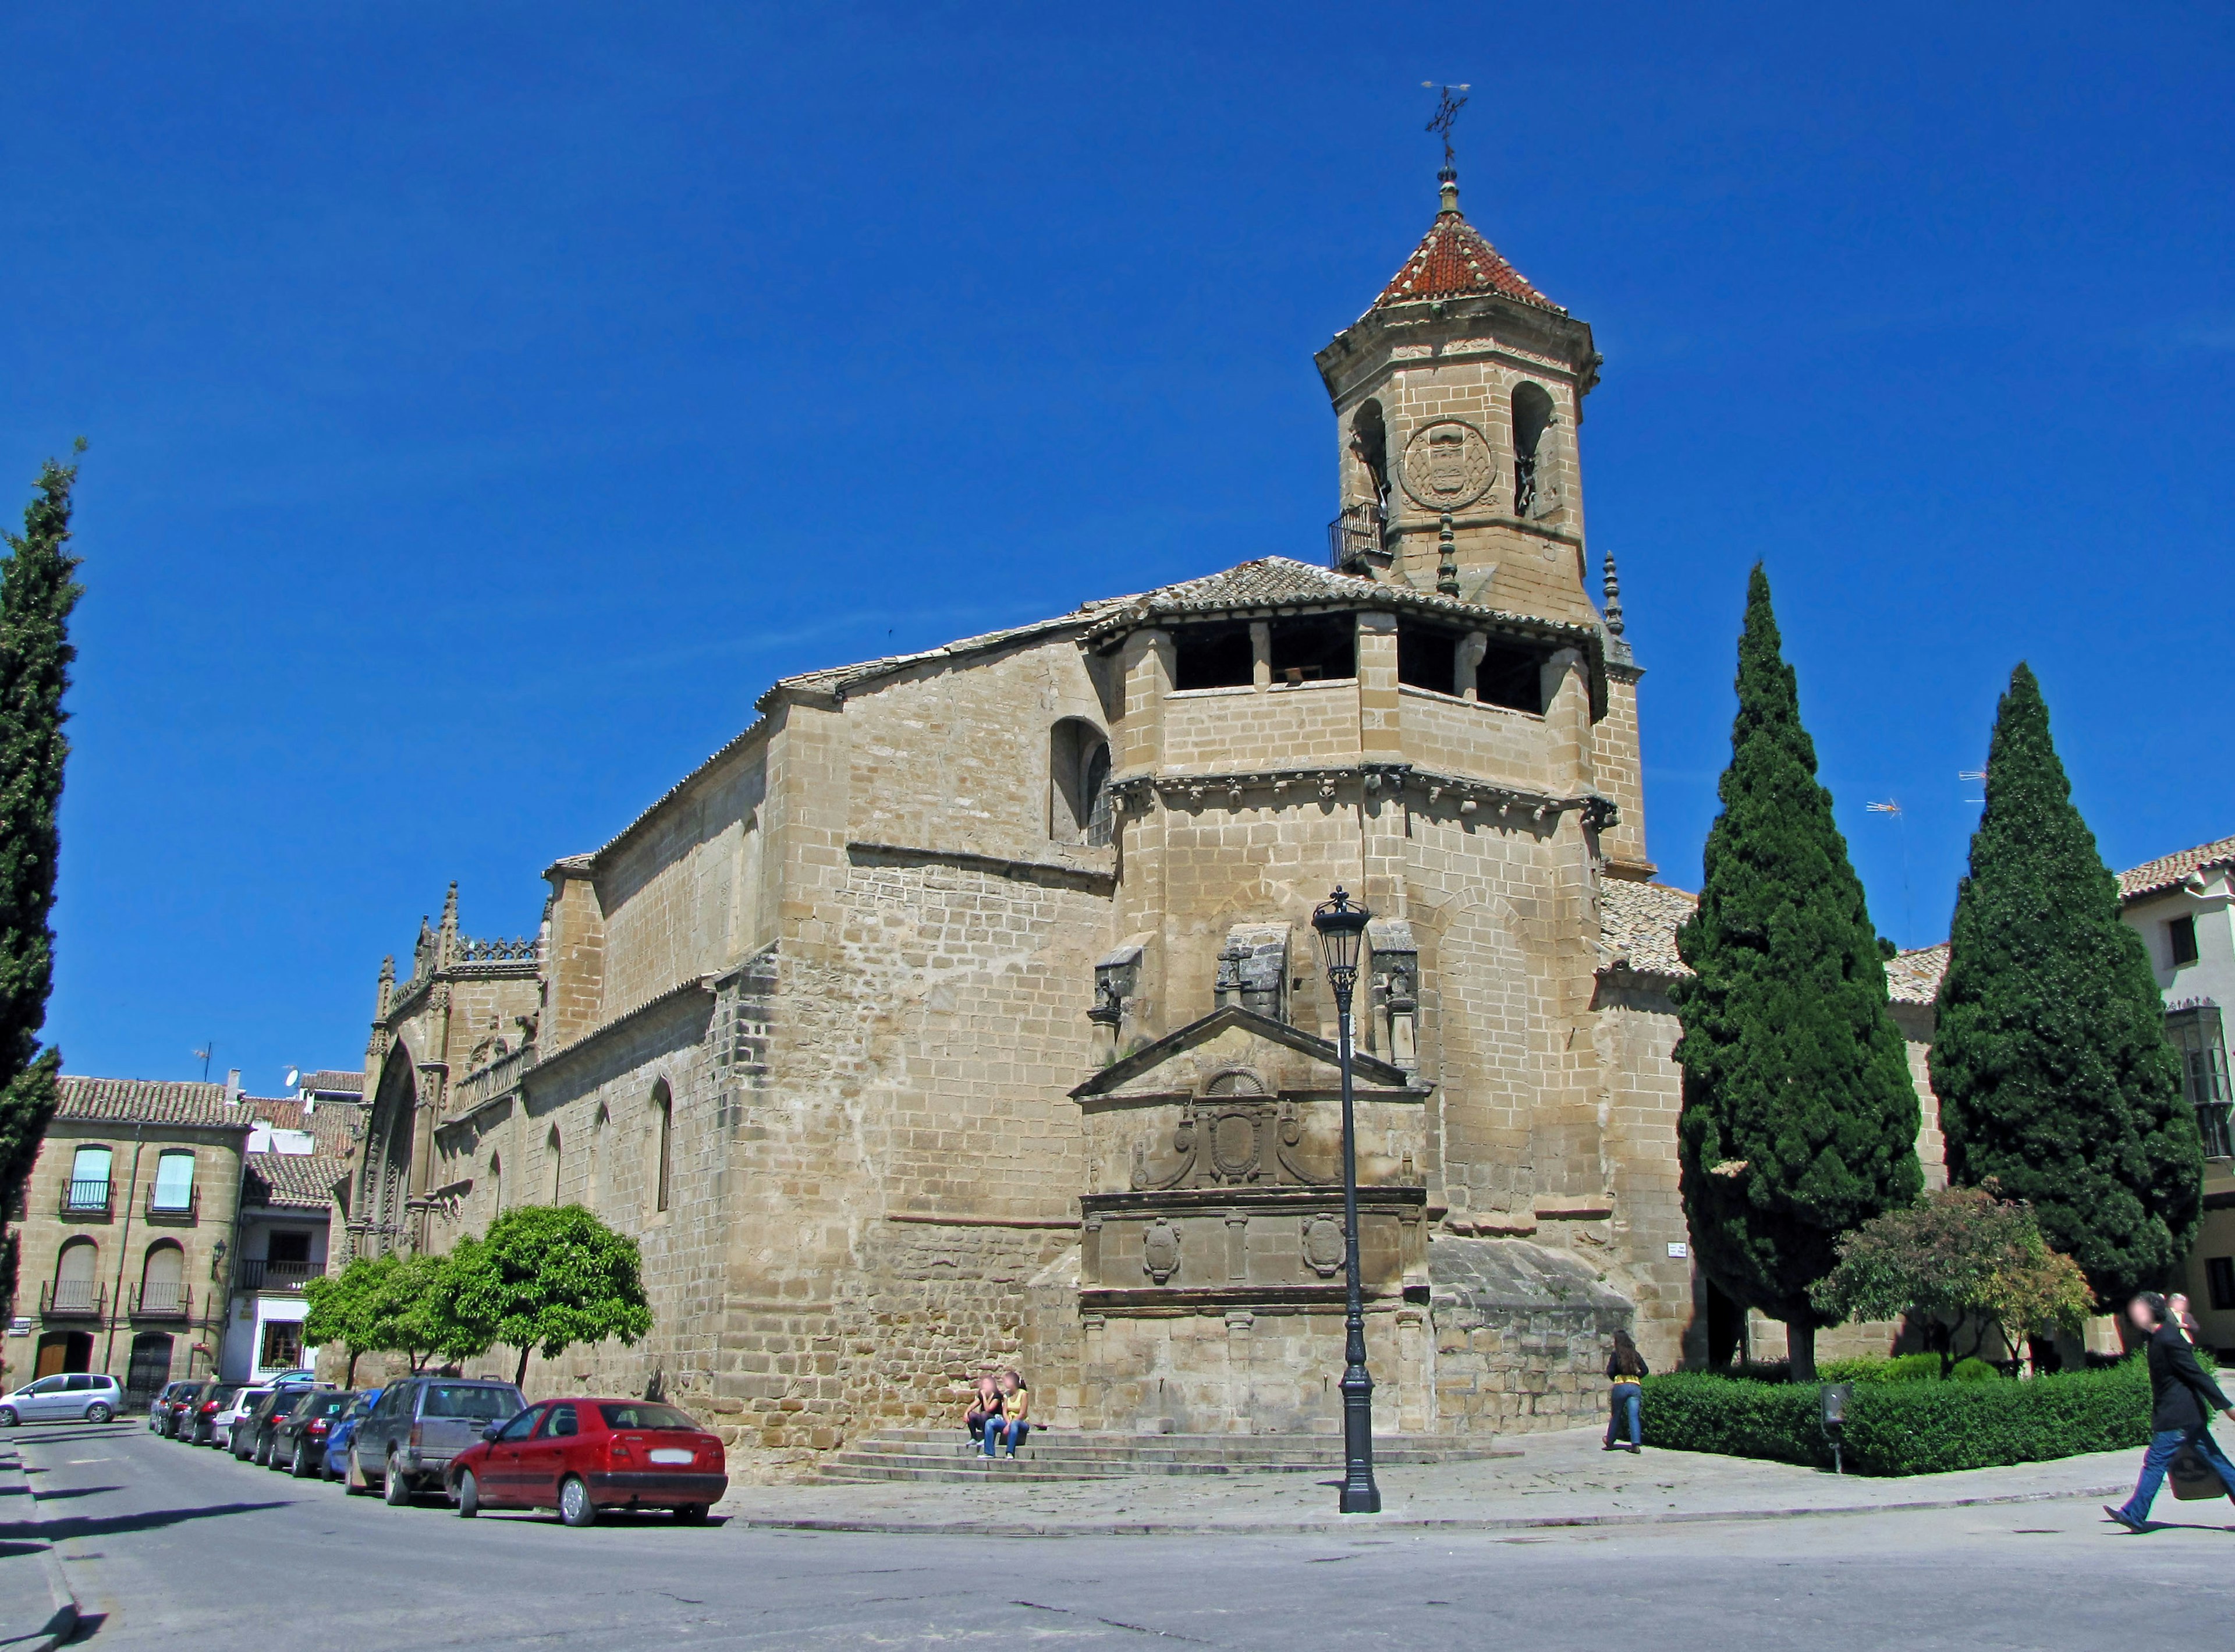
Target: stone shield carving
1160, 1251
1323, 1245
1448, 465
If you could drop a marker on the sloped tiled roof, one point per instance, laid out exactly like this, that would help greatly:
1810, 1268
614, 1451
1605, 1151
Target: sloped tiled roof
294, 1181
330, 1080
1275, 582
1453, 261
2167, 870
1638, 924
1914, 977
331, 1121
149, 1101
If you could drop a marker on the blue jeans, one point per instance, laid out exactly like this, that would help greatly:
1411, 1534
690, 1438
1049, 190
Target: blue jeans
1627, 1396
1013, 1428
2164, 1447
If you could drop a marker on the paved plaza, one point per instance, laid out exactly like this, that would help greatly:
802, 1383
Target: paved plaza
169, 1547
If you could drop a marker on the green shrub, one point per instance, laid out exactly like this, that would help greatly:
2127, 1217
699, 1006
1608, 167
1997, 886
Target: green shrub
1905, 1426
1974, 1370
1902, 1367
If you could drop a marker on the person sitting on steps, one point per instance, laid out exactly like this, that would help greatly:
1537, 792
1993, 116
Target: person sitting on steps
984, 1402
1009, 1422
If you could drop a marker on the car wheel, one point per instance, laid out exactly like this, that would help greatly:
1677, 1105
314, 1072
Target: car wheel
299, 1466
691, 1514
262, 1454
469, 1495
395, 1490
7, 1419
97, 1412
574, 1505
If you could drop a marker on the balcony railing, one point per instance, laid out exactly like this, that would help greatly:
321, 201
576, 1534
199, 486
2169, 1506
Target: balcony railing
71, 1298
2219, 1139
163, 1303
260, 1275
1355, 535
170, 1208
87, 1198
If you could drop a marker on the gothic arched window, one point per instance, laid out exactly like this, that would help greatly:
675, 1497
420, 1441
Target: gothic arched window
1532, 416
1079, 783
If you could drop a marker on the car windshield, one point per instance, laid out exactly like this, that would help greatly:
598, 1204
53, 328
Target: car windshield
222, 1394
486, 1405
642, 1414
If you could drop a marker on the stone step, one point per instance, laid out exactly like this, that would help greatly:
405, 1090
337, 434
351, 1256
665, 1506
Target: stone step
949, 1456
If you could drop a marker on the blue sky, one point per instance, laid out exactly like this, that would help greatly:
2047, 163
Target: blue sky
488, 400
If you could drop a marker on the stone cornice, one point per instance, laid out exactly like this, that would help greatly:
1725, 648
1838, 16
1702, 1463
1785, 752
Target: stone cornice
1403, 780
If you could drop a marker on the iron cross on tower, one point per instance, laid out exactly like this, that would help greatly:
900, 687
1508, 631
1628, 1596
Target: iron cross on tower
1448, 111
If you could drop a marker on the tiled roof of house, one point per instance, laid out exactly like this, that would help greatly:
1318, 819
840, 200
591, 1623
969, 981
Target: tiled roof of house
1453, 261
1914, 977
2152, 877
1638, 924
1276, 582
332, 1122
149, 1101
294, 1181
331, 1081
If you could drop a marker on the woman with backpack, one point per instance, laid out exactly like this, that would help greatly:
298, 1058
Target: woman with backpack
1625, 1369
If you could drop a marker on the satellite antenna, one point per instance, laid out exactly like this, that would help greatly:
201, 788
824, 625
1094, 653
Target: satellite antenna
1892, 806
294, 1078
1447, 110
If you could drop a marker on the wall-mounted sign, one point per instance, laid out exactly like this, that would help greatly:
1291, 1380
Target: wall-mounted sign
1678, 1251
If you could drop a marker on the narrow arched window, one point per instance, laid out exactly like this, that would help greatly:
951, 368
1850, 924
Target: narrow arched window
1079, 783
163, 1279
552, 1163
1532, 416
662, 1124
600, 1159
76, 1270
496, 1186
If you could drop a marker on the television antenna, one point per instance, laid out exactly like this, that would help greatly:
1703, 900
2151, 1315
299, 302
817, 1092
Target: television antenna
1448, 111
1979, 774
1892, 806
209, 1048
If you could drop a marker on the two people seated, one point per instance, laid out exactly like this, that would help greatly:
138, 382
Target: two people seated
997, 1412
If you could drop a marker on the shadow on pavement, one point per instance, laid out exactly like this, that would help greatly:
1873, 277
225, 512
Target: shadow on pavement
72, 1526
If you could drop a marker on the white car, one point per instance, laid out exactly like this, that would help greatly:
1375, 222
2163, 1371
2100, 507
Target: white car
221, 1425
78, 1393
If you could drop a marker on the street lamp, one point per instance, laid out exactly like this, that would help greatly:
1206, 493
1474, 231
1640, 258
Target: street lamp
1341, 925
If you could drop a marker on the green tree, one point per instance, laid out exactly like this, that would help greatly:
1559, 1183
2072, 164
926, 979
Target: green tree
548, 1276
1800, 1119
1964, 1257
2050, 1057
415, 1310
338, 1314
37, 592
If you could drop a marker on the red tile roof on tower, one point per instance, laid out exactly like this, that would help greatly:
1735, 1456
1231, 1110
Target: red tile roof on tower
1453, 260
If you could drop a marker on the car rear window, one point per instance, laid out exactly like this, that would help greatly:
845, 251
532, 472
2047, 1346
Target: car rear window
328, 1405
482, 1404
645, 1415
223, 1392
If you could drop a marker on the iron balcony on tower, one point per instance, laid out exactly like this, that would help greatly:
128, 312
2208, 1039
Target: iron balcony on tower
1361, 531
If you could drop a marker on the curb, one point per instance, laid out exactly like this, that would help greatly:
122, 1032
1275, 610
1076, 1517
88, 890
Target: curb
62, 1622
1380, 1522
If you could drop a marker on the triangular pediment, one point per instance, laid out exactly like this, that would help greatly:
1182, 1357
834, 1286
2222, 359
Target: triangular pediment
1234, 1040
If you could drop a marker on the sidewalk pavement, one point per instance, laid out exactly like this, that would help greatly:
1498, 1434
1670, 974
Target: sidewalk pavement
37, 1610
1559, 1479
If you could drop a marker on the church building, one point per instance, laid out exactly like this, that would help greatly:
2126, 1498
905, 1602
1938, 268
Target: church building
965, 1008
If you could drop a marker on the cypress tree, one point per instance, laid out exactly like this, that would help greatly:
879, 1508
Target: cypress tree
2050, 1057
37, 595
1800, 1119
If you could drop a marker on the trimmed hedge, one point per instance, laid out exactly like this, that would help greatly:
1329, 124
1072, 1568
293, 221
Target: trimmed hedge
1905, 1427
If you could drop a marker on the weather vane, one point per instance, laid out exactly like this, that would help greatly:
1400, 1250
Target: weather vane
1447, 110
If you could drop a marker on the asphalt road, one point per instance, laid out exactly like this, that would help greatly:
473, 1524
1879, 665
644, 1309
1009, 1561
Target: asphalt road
172, 1546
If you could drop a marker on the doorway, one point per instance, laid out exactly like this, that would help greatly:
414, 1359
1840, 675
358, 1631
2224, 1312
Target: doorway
150, 1369
61, 1351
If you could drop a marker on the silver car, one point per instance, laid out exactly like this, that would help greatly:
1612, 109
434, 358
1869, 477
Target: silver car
406, 1443
73, 1395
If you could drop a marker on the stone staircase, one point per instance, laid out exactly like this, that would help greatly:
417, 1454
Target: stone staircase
946, 1455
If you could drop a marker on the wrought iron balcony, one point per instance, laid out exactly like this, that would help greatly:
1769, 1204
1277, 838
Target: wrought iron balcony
163, 1303
1358, 532
168, 1208
87, 1198
71, 1298
260, 1275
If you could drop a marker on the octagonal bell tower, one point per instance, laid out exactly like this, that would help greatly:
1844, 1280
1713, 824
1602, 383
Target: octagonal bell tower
1457, 396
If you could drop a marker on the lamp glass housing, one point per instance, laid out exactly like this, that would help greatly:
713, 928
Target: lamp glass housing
1342, 924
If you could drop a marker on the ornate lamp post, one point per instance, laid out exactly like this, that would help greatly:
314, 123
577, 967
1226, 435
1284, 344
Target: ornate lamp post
1341, 925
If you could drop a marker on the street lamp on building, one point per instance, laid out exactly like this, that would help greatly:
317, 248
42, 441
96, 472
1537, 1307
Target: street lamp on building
1341, 925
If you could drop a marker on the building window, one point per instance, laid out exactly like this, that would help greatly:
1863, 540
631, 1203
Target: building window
496, 1186
1079, 783
2219, 1279
2195, 1031
282, 1346
1427, 658
1512, 676
662, 1124
163, 1280
174, 1183
1317, 648
2180, 941
1212, 657
1532, 416
77, 1277
88, 1183
553, 1161
600, 1161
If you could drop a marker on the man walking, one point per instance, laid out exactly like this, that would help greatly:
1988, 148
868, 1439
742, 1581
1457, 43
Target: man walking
2182, 1398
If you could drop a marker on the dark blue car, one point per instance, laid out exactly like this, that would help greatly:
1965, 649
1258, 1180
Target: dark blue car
344, 1431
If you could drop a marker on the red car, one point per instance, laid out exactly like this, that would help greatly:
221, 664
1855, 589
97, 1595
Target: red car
580, 1456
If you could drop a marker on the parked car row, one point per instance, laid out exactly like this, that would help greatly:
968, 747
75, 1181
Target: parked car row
473, 1440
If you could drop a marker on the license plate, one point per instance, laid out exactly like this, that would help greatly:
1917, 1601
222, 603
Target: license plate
670, 1455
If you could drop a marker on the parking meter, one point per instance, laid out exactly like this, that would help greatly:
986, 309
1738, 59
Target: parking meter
1832, 1403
